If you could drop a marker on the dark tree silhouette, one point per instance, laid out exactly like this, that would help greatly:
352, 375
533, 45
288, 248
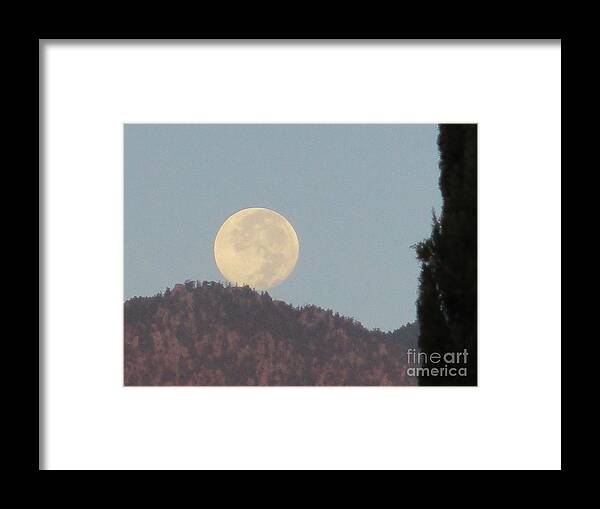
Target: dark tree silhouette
447, 305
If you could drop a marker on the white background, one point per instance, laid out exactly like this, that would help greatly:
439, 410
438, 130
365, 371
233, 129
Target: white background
512, 420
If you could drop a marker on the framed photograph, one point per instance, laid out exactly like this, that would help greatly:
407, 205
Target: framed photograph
270, 255
220, 290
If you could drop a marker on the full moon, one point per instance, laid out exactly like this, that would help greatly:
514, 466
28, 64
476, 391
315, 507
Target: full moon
256, 247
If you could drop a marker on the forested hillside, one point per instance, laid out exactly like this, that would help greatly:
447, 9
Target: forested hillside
210, 334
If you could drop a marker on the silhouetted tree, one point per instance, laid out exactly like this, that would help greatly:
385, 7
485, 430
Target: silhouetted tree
447, 305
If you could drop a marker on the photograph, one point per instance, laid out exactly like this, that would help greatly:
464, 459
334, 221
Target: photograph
300, 254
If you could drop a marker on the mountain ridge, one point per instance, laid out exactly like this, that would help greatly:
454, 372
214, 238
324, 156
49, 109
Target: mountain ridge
206, 333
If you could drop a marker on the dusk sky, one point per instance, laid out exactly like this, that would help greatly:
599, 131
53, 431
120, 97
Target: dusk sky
358, 196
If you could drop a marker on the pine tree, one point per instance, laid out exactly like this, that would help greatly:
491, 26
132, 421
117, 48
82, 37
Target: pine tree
447, 305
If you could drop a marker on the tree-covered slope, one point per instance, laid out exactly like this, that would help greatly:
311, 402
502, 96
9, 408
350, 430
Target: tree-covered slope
210, 334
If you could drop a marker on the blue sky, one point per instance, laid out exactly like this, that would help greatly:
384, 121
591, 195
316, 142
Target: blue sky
358, 196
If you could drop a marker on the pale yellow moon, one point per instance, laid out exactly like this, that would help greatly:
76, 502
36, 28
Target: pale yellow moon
256, 247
